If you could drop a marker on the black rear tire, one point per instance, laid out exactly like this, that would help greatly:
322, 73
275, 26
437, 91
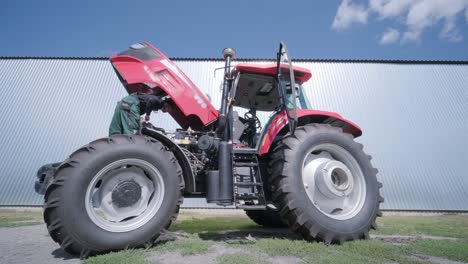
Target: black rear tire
266, 218
289, 190
65, 213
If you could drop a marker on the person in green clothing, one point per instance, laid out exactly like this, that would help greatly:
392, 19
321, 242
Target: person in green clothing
126, 119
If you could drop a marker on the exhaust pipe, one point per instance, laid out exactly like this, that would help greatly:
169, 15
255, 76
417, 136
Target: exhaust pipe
228, 54
225, 192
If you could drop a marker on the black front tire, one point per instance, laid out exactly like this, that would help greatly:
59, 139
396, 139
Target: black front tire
65, 211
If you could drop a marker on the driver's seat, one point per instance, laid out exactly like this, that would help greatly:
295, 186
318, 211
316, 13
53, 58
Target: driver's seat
237, 128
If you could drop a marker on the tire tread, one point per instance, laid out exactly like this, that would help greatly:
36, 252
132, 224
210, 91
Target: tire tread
52, 202
285, 196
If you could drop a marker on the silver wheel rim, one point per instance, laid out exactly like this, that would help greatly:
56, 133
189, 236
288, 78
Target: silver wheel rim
138, 175
333, 181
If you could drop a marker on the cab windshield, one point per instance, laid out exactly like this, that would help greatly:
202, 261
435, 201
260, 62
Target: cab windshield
302, 101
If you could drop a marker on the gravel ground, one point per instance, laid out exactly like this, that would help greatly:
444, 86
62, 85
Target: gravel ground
213, 254
31, 244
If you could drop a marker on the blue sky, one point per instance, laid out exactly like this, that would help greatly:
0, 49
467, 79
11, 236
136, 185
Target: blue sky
340, 29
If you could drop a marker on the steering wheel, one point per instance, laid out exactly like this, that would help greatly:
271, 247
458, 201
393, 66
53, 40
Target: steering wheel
252, 119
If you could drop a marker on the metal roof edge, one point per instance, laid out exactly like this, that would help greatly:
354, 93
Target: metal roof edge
463, 62
50, 58
455, 62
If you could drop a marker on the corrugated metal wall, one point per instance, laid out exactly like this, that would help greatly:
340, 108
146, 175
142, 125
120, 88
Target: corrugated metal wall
48, 109
414, 118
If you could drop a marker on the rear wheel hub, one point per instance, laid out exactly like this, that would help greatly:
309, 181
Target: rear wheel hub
126, 193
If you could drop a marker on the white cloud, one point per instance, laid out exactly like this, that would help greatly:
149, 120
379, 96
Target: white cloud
450, 31
390, 36
411, 36
348, 14
425, 13
466, 15
389, 8
416, 16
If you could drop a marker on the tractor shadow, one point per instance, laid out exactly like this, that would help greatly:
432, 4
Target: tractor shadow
248, 235
60, 254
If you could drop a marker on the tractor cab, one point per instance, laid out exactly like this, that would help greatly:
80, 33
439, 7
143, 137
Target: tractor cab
267, 88
252, 90
255, 88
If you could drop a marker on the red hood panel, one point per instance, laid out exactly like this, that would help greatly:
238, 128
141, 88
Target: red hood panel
193, 108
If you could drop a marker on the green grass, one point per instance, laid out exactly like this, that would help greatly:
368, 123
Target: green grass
122, 257
13, 218
351, 252
375, 251
457, 251
239, 258
444, 225
194, 225
447, 225
186, 246
205, 231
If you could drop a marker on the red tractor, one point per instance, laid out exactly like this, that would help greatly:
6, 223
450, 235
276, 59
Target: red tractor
303, 170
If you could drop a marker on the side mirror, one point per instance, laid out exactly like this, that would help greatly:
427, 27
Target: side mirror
288, 89
298, 90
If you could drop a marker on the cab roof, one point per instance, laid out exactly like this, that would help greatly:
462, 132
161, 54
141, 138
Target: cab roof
301, 75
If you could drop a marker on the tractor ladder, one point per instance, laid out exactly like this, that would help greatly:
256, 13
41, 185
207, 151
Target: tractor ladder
248, 185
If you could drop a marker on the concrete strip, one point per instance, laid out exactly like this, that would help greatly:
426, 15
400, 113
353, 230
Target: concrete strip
31, 244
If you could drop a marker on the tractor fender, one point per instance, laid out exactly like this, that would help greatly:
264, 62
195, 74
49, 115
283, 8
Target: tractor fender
279, 125
189, 177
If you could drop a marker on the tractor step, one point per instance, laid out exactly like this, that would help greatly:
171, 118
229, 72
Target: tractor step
245, 164
248, 185
244, 151
251, 207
